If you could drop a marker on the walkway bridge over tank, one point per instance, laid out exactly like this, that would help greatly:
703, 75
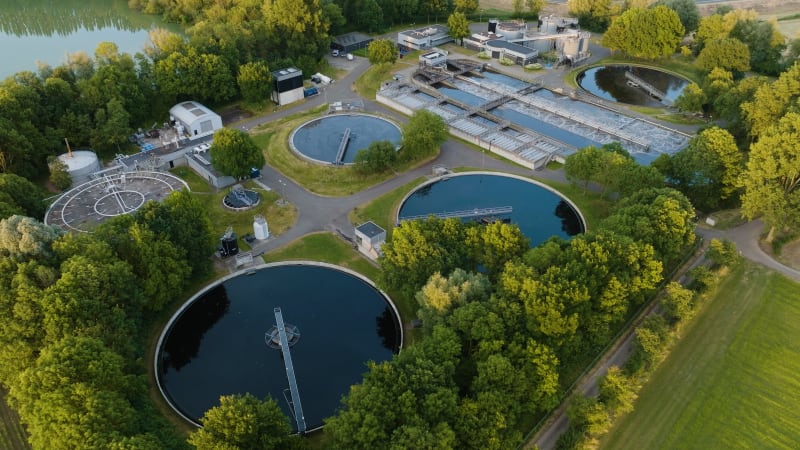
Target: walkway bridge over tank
499, 212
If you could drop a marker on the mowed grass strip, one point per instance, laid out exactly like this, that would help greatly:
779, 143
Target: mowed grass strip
731, 381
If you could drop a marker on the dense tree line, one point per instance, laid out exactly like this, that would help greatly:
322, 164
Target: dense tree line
74, 312
505, 325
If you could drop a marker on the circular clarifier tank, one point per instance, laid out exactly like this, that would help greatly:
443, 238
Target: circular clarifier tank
225, 339
642, 86
538, 210
337, 139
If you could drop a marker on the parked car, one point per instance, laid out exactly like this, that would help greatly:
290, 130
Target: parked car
350, 57
334, 52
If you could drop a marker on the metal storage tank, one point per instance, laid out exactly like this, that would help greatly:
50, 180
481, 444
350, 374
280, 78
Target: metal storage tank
584, 44
542, 45
260, 228
511, 30
571, 46
81, 164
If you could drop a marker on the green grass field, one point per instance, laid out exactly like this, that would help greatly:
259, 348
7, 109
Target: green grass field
731, 381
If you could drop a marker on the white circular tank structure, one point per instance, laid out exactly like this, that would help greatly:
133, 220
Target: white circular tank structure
260, 228
511, 30
80, 165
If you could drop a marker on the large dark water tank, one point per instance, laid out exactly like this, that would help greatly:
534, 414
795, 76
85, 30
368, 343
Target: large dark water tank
493, 26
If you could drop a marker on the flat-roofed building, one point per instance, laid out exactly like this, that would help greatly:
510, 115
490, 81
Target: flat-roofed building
424, 38
350, 42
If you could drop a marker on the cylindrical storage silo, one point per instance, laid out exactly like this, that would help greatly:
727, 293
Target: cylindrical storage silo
584, 42
571, 47
81, 164
511, 30
260, 228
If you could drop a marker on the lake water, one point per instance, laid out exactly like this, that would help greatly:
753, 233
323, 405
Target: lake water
46, 31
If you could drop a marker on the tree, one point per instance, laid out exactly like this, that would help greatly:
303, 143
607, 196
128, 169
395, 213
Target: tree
534, 6
379, 157
255, 81
633, 32
707, 171
246, 423
723, 253
658, 217
594, 15
382, 51
687, 11
458, 25
719, 26
59, 175
771, 101
422, 135
420, 248
234, 153
677, 301
589, 415
691, 99
582, 165
20, 193
440, 296
728, 54
495, 244
771, 180
651, 338
26, 238
465, 6
112, 126
617, 392
75, 395
765, 42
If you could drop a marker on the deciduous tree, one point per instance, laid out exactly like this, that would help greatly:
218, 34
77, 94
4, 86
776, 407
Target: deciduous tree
771, 179
422, 135
234, 153
382, 51
687, 11
728, 54
645, 33
458, 25
244, 422
255, 81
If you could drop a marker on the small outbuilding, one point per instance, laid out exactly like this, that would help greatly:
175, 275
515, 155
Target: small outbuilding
350, 42
369, 239
288, 86
194, 121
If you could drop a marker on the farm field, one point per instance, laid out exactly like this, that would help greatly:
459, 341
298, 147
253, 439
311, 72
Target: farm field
731, 382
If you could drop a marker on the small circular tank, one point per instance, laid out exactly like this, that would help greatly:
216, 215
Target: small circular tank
80, 165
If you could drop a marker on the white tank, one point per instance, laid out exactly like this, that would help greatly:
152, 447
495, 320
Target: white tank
80, 165
571, 46
260, 228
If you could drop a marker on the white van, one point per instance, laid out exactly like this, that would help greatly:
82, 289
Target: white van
349, 56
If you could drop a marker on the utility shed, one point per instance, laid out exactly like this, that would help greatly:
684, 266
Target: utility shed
350, 42
194, 120
288, 86
369, 238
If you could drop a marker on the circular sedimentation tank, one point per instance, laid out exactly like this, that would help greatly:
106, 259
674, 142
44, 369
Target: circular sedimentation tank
241, 200
336, 139
538, 210
222, 341
610, 82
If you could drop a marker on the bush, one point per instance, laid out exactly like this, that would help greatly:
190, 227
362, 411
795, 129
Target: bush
534, 66
378, 157
506, 62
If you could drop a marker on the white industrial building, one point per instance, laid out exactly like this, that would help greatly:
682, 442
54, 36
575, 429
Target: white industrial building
424, 38
194, 121
288, 86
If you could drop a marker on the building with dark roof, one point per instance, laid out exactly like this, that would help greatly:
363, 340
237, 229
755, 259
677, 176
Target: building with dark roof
288, 86
369, 239
350, 42
518, 53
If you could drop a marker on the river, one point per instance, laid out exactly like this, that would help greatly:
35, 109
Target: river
46, 31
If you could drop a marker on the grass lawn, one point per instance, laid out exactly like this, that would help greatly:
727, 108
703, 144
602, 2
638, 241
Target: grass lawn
383, 210
324, 247
731, 382
279, 217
